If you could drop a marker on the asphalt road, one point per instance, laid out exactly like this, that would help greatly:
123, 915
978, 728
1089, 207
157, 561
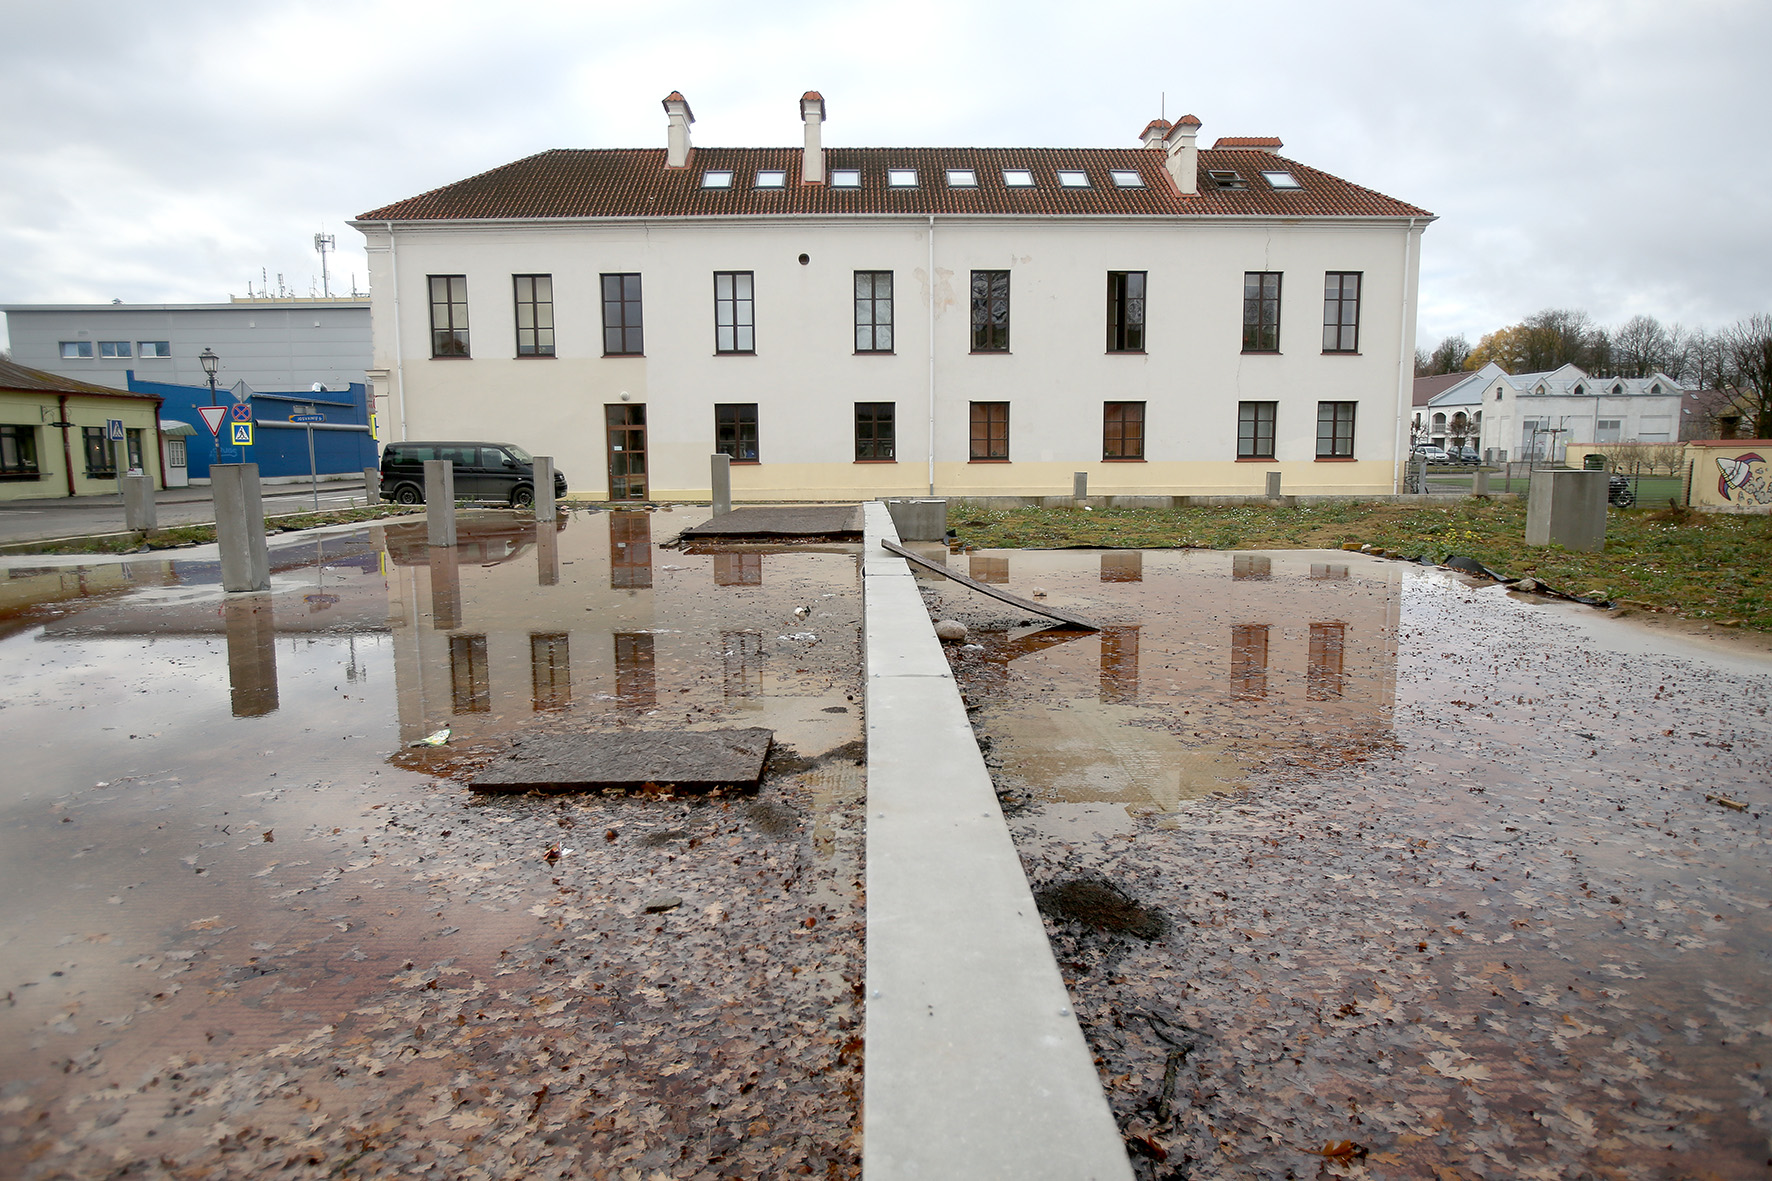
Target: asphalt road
87, 516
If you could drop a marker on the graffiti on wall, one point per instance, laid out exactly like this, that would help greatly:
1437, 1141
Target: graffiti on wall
1745, 479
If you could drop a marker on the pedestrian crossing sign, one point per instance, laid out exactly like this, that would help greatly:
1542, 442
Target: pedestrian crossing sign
242, 433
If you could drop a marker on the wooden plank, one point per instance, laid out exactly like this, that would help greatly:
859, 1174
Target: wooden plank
1064, 617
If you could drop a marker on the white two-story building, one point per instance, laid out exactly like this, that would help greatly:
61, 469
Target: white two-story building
853, 322
1530, 416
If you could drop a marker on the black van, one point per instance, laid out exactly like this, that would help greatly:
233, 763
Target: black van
503, 472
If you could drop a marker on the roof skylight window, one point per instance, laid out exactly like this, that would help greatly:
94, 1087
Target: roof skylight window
1018, 178
1126, 178
771, 178
1073, 178
901, 178
845, 178
1281, 180
962, 178
717, 179
1226, 178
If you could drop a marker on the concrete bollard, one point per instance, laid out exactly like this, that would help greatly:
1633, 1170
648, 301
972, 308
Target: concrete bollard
1480, 483
445, 588
922, 519
240, 527
1567, 508
722, 482
544, 488
1273, 485
440, 501
372, 486
139, 514
1079, 486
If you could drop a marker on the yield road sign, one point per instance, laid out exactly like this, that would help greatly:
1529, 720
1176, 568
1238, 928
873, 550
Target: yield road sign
240, 412
242, 434
212, 417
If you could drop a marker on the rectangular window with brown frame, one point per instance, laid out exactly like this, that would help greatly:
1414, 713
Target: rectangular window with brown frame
734, 312
1341, 311
1255, 429
735, 430
470, 684
1261, 311
873, 311
622, 332
990, 311
1249, 661
535, 314
101, 457
18, 453
1122, 430
449, 315
1335, 430
550, 670
1325, 678
1125, 312
874, 442
990, 431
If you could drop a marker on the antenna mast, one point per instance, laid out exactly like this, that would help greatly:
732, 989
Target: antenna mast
323, 243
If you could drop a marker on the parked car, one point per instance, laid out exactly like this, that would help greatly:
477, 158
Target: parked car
501, 472
1430, 453
1465, 454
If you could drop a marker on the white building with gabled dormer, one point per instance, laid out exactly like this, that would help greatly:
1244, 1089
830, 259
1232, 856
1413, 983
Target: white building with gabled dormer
1538, 416
841, 322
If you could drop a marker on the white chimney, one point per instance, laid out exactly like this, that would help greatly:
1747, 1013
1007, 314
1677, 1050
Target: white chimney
677, 107
1184, 155
1153, 133
812, 114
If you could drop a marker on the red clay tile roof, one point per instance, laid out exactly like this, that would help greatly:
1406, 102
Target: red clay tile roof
634, 182
1189, 120
1249, 141
17, 377
812, 94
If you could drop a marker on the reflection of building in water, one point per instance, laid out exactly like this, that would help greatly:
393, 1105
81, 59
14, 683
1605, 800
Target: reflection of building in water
1323, 677
738, 569
985, 569
1248, 660
1123, 566
1119, 663
550, 665
1246, 567
252, 654
616, 634
630, 549
1328, 572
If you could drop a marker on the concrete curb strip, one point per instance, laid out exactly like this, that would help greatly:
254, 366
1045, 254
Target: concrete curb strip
976, 1066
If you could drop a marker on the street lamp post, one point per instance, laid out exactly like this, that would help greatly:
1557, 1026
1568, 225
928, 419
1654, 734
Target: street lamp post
210, 363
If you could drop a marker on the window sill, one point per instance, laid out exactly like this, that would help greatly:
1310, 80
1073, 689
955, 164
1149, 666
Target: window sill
876, 461
19, 477
1341, 352
617, 356
1261, 352
875, 352
990, 352
452, 356
975, 459
1122, 459
535, 356
735, 352
1126, 353
1256, 459
746, 463
1336, 459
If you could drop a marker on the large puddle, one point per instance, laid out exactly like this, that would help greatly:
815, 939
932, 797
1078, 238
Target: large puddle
252, 928
1455, 884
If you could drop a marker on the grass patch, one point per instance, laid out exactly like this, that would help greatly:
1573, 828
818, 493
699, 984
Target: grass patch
183, 536
1702, 566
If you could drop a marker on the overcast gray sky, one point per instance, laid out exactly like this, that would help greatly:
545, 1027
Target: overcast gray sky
1600, 154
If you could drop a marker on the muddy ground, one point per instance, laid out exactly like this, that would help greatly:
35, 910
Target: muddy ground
1520, 929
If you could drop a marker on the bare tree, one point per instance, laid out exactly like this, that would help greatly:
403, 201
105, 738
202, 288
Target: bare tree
1747, 345
1423, 364
1640, 346
1449, 355
1561, 336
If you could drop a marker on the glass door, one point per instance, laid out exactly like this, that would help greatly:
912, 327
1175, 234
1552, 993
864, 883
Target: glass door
627, 451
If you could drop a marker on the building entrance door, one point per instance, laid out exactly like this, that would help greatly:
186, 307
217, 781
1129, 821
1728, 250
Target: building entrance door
627, 451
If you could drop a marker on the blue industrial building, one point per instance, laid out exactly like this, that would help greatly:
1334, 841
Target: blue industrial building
342, 440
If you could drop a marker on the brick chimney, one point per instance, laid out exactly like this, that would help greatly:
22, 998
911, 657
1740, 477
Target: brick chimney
1183, 161
812, 114
1153, 133
677, 107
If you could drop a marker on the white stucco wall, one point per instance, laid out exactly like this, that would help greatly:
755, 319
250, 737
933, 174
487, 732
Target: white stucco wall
805, 376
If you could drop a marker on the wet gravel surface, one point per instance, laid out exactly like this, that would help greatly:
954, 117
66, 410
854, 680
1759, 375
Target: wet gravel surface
257, 934
1528, 935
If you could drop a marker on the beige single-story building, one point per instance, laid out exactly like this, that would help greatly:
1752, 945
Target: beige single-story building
58, 435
